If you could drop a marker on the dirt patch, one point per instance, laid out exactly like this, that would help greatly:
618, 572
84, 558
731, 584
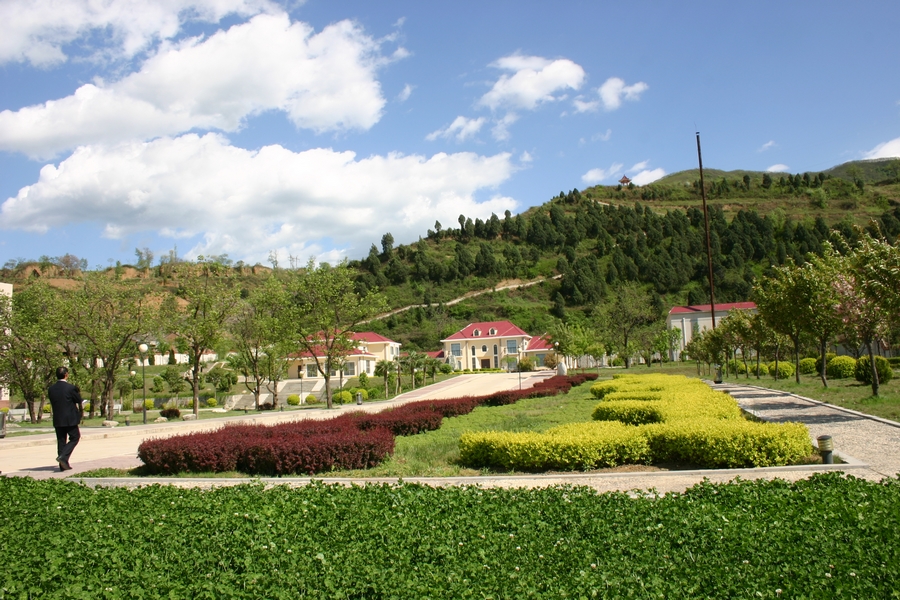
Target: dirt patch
63, 284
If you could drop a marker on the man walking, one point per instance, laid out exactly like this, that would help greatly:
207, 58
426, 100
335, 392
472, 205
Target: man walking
65, 399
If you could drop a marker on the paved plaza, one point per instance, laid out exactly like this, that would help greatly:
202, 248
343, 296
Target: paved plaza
869, 446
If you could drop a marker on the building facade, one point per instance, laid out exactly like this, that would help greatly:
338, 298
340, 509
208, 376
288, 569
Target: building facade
369, 349
693, 320
487, 345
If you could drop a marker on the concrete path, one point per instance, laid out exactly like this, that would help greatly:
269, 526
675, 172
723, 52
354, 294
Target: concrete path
34, 455
871, 447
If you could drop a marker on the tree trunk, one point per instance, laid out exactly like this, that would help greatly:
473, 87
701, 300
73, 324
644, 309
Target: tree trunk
823, 346
327, 390
874, 370
195, 382
797, 358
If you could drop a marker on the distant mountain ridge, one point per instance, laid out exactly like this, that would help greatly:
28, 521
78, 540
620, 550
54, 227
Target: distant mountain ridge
876, 170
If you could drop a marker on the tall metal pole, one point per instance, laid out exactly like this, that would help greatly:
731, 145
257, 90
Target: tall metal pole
143, 350
712, 289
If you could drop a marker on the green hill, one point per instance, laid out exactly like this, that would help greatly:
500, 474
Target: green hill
593, 239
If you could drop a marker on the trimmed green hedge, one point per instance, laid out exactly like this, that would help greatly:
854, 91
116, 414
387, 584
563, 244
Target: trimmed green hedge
646, 419
808, 366
785, 369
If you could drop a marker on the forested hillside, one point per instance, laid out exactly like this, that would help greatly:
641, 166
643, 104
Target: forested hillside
593, 238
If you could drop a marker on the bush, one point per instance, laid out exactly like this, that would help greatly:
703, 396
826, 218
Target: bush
763, 369
841, 367
311, 399
266, 406
148, 404
894, 362
863, 371
785, 369
736, 367
828, 357
363, 379
47, 408
374, 392
618, 362
211, 403
446, 369
170, 413
341, 397
293, 400
808, 366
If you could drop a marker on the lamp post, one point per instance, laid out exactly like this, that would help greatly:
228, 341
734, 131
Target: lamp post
143, 350
519, 365
132, 390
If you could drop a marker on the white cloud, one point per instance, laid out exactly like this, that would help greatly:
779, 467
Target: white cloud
889, 149
648, 176
534, 81
779, 168
405, 93
526, 157
767, 145
597, 175
639, 166
461, 128
324, 81
245, 203
38, 31
500, 130
614, 90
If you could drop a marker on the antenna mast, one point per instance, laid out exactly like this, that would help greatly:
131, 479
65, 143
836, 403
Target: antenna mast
712, 290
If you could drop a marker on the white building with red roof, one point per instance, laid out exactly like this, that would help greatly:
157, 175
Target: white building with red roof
492, 345
692, 320
369, 348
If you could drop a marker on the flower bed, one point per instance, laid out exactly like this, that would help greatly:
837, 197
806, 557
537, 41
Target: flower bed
352, 441
646, 419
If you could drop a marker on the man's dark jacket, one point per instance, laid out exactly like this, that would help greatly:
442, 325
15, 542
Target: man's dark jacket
66, 403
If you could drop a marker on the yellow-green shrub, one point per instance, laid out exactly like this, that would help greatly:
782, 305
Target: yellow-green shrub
728, 443
568, 447
657, 418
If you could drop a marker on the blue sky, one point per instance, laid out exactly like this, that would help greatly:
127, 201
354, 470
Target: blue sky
243, 127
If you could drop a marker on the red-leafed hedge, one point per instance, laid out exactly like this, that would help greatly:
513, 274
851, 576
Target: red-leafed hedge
352, 441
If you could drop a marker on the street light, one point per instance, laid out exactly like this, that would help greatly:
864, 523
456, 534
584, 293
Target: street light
143, 350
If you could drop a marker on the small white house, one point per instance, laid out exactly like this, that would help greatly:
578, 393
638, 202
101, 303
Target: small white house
691, 319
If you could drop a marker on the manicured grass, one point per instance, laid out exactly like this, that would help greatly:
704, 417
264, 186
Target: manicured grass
436, 453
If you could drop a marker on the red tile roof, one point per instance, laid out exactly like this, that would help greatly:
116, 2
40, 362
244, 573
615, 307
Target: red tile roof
502, 329
539, 342
705, 307
436, 354
371, 337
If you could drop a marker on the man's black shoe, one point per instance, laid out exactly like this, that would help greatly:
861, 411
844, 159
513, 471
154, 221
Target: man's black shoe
65, 466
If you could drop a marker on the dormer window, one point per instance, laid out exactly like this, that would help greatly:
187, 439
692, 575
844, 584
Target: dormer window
476, 333
493, 331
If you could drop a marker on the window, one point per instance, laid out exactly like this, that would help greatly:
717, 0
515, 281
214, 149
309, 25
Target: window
474, 364
350, 369
496, 361
493, 331
476, 333
311, 370
484, 348
511, 347
495, 349
473, 350
455, 350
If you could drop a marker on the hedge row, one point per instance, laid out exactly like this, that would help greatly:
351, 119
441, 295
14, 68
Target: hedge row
352, 441
642, 420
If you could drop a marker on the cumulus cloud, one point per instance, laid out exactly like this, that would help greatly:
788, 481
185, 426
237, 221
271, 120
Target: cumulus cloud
246, 203
461, 128
323, 81
500, 130
648, 176
598, 175
534, 81
779, 168
38, 31
889, 149
767, 145
610, 95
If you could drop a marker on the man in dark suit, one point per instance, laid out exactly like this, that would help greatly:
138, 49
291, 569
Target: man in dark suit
65, 399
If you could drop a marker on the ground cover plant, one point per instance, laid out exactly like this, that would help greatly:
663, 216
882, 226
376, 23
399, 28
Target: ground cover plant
352, 441
761, 539
645, 419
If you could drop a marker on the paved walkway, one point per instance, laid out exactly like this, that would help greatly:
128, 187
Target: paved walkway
870, 446
34, 455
